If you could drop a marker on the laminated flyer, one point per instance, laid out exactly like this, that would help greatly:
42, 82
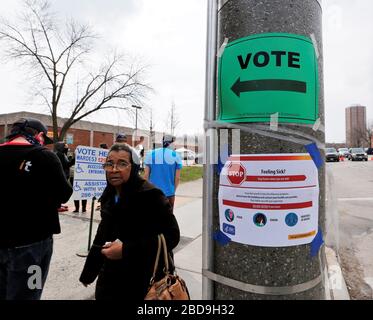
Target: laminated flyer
269, 200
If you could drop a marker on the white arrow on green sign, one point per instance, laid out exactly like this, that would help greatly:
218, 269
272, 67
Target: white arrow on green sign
268, 73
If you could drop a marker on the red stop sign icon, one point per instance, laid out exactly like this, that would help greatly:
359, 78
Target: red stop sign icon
236, 173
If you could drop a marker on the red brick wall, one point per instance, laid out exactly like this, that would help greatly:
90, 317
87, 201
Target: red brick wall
102, 137
80, 137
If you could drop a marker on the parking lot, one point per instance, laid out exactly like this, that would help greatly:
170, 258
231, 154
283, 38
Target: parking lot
352, 222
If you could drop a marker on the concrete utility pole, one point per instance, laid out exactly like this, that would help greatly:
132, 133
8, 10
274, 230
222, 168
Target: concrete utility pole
136, 107
287, 272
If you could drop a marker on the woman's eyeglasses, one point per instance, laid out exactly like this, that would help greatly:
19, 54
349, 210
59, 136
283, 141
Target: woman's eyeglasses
121, 165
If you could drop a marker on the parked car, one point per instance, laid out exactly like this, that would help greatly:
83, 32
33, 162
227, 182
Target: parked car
199, 158
358, 154
370, 151
343, 152
331, 155
187, 156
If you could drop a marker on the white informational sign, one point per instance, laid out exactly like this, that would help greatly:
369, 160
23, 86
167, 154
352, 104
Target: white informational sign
269, 200
89, 176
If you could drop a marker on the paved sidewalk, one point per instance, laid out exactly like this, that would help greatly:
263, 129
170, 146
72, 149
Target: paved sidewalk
63, 284
63, 279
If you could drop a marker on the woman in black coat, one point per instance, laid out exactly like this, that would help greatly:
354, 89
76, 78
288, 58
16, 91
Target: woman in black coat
133, 213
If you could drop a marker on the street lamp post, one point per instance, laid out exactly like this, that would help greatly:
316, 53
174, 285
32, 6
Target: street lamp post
136, 107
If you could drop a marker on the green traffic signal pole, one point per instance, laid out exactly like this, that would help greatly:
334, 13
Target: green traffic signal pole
236, 270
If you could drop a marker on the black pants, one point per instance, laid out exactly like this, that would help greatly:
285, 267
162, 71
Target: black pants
84, 205
24, 270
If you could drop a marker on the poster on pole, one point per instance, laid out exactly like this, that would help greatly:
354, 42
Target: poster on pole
269, 200
268, 73
89, 176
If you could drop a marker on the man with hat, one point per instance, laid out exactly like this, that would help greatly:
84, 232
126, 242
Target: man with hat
121, 138
33, 186
162, 168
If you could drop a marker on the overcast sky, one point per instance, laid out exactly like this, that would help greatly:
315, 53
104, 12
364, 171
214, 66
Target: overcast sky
170, 36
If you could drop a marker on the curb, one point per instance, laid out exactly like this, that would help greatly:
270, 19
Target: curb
334, 281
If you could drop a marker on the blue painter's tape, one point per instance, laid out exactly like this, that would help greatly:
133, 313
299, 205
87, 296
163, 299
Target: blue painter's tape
219, 167
314, 151
222, 159
317, 243
221, 238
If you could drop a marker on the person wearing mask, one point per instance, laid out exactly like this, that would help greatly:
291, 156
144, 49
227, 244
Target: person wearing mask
61, 150
133, 213
33, 186
162, 168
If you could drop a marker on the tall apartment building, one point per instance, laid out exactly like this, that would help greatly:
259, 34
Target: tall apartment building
356, 126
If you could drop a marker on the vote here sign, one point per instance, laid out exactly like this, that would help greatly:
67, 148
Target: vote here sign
89, 176
268, 73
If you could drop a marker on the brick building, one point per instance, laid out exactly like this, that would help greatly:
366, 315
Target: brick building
88, 133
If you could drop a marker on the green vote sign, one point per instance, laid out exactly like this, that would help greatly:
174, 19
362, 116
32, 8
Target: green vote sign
268, 73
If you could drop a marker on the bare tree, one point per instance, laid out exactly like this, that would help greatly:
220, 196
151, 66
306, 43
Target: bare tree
172, 120
55, 54
362, 137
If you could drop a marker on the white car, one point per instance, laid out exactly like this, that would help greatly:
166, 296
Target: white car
188, 156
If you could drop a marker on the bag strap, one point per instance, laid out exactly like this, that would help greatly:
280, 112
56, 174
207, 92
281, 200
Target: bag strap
156, 260
161, 245
165, 254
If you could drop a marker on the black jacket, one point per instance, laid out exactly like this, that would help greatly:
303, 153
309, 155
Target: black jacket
65, 162
32, 187
141, 214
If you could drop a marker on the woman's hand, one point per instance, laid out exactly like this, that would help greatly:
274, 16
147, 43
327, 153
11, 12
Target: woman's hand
113, 250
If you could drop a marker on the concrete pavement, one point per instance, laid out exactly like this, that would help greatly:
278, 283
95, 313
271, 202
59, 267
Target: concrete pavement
63, 279
63, 284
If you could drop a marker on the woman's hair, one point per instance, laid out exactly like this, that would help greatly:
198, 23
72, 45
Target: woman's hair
134, 159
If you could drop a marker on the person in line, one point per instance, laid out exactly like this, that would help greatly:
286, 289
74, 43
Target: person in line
33, 186
61, 149
103, 146
133, 213
121, 138
141, 152
163, 167
76, 202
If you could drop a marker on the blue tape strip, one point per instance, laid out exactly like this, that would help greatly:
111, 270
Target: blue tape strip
315, 154
317, 243
221, 238
224, 153
219, 166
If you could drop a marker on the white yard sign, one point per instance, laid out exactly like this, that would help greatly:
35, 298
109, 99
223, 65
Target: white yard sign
269, 200
89, 176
